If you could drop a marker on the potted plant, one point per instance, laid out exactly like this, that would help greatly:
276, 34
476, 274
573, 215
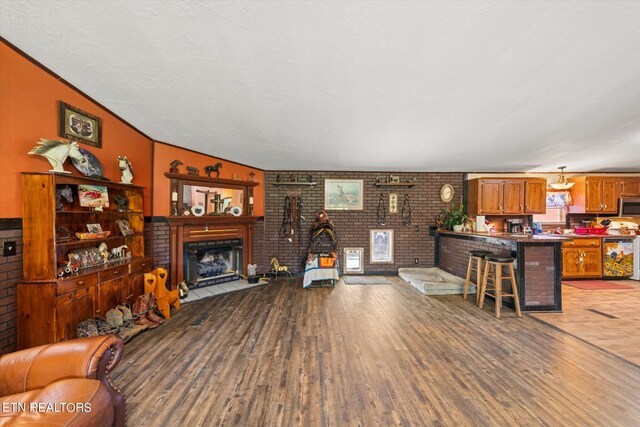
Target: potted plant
455, 218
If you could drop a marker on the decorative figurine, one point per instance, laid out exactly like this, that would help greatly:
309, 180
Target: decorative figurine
104, 251
252, 176
173, 166
193, 170
127, 170
122, 202
235, 177
63, 193
277, 268
213, 168
56, 152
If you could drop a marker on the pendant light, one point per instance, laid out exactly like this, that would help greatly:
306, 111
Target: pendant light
562, 183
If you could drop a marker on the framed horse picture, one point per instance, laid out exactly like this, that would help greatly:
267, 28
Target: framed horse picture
343, 194
78, 125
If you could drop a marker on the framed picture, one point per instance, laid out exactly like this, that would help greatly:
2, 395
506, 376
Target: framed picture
381, 246
343, 194
124, 226
353, 261
393, 203
78, 125
93, 196
94, 228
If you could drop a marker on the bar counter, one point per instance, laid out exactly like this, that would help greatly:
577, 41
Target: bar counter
538, 263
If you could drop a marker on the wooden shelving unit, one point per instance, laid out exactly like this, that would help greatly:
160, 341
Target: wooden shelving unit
50, 306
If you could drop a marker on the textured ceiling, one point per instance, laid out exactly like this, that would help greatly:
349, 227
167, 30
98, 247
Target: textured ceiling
436, 86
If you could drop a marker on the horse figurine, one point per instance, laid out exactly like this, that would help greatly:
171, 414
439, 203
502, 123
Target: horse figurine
277, 268
127, 170
213, 168
64, 193
56, 152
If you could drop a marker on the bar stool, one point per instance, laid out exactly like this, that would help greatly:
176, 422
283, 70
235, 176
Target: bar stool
499, 261
478, 257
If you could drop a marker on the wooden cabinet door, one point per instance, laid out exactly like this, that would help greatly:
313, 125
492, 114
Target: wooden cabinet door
593, 195
631, 187
611, 191
592, 265
72, 309
513, 196
535, 196
490, 197
110, 294
572, 262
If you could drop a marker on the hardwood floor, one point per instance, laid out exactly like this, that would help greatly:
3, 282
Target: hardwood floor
279, 355
607, 319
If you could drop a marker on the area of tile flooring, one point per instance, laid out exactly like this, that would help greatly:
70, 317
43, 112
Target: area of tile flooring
223, 288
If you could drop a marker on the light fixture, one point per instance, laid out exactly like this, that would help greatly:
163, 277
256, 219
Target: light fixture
562, 183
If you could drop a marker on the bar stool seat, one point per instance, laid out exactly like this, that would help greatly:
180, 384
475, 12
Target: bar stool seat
478, 257
495, 279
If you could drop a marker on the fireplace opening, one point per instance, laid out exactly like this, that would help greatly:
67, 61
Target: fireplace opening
212, 262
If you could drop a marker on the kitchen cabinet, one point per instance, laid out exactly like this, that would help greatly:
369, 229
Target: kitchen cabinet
582, 258
631, 187
535, 196
596, 194
507, 196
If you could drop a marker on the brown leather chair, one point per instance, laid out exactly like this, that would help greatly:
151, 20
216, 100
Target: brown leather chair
75, 371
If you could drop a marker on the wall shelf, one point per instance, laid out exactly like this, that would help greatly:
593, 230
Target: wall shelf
295, 184
395, 184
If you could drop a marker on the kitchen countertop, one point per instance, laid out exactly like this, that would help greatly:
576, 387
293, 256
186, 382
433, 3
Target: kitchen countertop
519, 237
514, 237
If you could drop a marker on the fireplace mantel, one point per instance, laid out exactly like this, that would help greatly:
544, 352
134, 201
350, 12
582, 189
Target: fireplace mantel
184, 229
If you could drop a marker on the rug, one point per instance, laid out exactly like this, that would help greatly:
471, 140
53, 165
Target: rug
365, 280
597, 285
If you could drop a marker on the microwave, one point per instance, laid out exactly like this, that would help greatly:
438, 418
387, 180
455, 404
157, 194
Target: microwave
629, 206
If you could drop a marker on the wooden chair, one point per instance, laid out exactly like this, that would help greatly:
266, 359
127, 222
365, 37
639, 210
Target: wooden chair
156, 282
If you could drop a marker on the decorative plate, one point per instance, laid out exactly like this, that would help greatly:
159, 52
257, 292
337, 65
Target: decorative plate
197, 210
235, 210
91, 166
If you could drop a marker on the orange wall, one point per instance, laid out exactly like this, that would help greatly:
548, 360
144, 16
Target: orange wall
29, 111
164, 154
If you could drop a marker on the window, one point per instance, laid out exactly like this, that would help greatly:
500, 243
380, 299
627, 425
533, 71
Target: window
557, 202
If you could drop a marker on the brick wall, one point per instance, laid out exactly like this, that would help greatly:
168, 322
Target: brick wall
352, 227
453, 253
160, 236
539, 275
10, 274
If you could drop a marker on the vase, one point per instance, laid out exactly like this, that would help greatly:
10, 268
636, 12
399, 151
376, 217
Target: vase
457, 227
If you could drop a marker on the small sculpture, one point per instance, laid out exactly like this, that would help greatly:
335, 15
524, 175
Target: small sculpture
104, 251
120, 252
56, 152
193, 170
213, 168
235, 177
251, 269
277, 268
127, 170
173, 166
64, 193
252, 176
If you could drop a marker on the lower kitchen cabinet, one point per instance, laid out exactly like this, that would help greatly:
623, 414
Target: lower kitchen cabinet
582, 258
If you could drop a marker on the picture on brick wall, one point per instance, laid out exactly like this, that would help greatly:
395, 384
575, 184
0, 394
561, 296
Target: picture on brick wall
78, 125
381, 246
343, 194
353, 261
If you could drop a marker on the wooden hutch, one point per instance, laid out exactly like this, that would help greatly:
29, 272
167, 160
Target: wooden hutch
51, 303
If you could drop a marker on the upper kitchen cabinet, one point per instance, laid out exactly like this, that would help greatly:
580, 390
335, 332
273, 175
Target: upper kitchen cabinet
508, 196
631, 187
596, 194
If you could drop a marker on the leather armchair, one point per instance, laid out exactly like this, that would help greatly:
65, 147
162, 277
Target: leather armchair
69, 372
